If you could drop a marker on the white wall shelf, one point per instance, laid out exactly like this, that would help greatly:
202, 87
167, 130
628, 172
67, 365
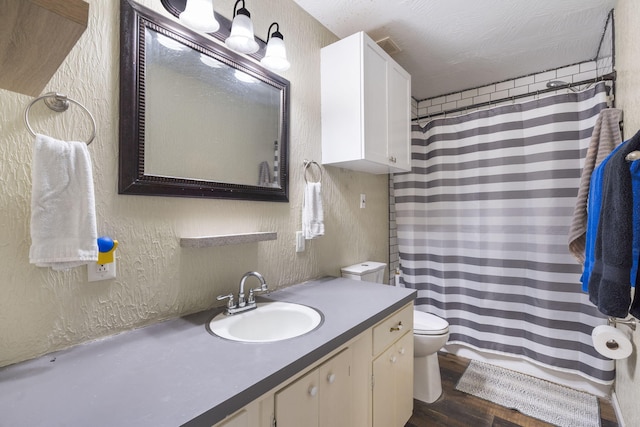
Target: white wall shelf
227, 239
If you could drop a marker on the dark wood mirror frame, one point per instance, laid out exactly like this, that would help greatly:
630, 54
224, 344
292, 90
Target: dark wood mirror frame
134, 18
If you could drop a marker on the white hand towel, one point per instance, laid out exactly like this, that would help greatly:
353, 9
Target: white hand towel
63, 213
264, 175
312, 213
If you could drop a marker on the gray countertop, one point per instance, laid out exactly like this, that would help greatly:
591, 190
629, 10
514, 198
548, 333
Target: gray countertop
176, 373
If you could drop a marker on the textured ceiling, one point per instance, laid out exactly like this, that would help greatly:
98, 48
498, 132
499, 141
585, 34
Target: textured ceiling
453, 45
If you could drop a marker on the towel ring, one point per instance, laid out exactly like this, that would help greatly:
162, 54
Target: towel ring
59, 103
308, 163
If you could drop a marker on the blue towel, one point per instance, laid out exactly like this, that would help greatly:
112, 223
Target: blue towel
593, 215
610, 278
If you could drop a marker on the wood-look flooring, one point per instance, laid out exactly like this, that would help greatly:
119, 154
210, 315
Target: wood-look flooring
458, 409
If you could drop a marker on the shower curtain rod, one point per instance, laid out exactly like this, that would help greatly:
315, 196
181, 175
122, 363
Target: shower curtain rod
610, 76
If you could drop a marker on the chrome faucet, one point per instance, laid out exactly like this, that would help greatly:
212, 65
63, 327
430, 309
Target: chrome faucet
248, 304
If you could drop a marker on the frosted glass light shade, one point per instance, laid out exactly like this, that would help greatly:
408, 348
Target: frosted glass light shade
241, 38
275, 57
198, 15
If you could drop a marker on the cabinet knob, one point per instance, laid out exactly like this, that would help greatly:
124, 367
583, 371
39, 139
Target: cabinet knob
402, 351
331, 378
313, 390
396, 328
393, 359
392, 159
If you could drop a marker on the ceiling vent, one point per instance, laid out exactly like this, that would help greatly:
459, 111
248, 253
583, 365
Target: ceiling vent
389, 46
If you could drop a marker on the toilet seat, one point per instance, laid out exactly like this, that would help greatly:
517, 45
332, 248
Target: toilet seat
429, 324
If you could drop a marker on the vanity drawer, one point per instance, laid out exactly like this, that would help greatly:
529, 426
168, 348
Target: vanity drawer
392, 328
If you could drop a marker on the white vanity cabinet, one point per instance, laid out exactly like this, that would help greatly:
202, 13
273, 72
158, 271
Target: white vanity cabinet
366, 382
256, 414
366, 107
393, 369
332, 393
321, 398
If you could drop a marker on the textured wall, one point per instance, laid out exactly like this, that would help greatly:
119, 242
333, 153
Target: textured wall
42, 310
627, 17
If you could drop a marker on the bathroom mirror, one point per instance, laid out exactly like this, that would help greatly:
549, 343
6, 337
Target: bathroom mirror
196, 119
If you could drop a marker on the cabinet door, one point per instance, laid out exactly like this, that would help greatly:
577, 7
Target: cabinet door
361, 380
393, 384
399, 101
383, 389
241, 419
404, 379
374, 105
335, 391
297, 404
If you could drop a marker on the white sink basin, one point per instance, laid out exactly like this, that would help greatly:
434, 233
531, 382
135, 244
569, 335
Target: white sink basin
271, 321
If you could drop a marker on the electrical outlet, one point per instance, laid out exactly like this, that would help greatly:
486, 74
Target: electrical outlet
97, 271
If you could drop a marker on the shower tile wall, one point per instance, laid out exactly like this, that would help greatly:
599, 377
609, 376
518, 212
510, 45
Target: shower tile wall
394, 256
518, 86
437, 106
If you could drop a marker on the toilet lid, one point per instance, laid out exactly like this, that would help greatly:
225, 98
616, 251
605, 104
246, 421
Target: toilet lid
363, 268
429, 324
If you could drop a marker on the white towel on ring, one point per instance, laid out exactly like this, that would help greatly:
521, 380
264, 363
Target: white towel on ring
63, 213
312, 213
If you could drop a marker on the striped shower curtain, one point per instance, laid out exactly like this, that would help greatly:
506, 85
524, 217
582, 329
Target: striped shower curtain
483, 220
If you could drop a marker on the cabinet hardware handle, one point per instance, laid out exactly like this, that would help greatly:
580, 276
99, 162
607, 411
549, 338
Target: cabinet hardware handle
401, 351
396, 328
393, 359
392, 159
331, 378
313, 390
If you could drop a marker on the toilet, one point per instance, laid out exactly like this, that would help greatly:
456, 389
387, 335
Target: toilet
430, 334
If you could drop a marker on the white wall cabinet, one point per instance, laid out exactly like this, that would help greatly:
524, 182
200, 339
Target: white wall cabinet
366, 107
366, 382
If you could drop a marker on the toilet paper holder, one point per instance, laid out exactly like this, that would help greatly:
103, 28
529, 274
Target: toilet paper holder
629, 322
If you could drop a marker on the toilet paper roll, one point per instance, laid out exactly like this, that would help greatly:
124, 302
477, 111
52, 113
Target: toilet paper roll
611, 342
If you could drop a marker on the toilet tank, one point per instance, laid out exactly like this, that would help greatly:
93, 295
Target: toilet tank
368, 271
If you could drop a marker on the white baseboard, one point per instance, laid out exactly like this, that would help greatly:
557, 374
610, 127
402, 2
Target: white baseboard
616, 408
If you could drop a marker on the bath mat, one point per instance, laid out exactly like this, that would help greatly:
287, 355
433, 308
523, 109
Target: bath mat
546, 401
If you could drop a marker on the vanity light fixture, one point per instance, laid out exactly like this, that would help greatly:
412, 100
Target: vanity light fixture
198, 15
275, 57
241, 38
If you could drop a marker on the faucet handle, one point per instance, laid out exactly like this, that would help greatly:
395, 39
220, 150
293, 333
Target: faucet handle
230, 303
252, 299
262, 288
